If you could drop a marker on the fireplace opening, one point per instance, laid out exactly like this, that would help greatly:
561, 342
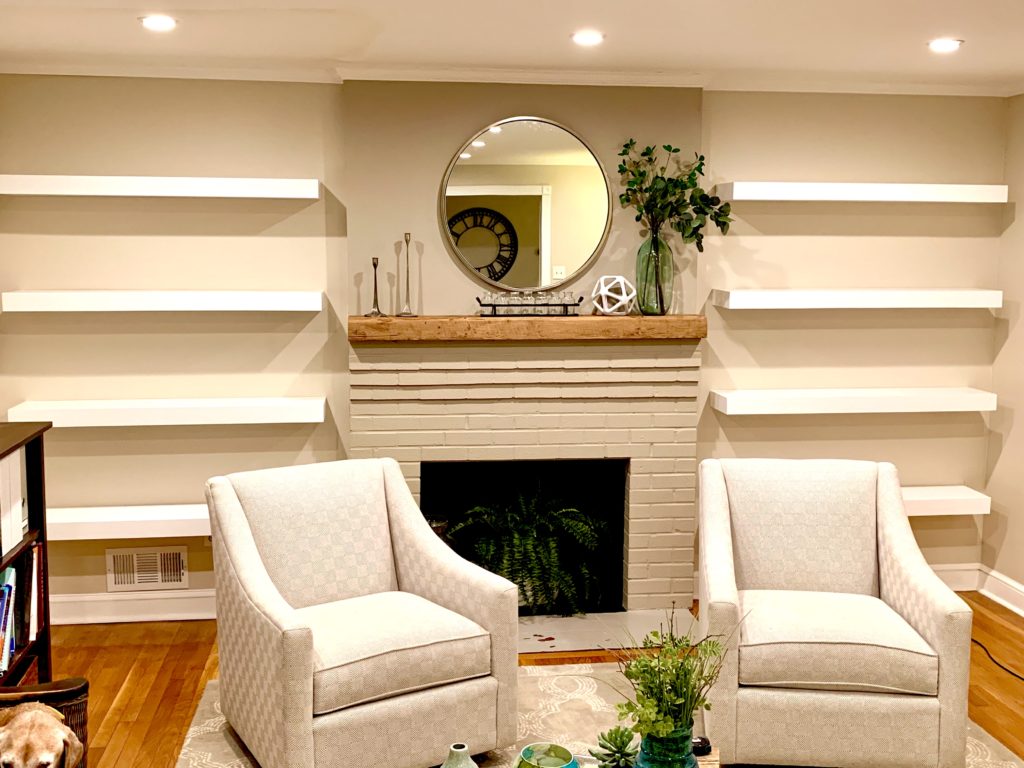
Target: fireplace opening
554, 527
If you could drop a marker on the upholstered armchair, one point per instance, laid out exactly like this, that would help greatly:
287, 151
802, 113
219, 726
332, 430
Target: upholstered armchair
843, 646
349, 633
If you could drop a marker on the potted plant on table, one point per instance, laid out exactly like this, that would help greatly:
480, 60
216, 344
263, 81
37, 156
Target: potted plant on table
671, 677
667, 196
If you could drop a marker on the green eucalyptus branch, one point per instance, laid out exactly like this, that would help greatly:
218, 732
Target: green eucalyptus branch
665, 192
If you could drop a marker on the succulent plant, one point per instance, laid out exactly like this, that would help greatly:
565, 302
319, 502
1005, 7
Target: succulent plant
616, 748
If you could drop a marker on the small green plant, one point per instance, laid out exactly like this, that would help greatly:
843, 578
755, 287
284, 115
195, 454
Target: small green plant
539, 544
671, 677
615, 748
667, 193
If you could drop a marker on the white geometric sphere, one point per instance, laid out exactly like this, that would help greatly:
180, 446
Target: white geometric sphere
613, 295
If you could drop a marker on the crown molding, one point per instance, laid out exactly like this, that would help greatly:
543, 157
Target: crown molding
657, 79
283, 74
333, 72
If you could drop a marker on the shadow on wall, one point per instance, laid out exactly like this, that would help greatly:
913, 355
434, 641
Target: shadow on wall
170, 217
802, 430
388, 280
94, 463
872, 219
872, 437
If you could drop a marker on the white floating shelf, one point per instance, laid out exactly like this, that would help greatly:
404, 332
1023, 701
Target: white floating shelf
935, 500
138, 522
782, 298
176, 412
748, 402
160, 186
161, 301
844, 192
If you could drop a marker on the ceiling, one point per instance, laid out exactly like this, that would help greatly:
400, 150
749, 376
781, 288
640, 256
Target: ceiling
828, 45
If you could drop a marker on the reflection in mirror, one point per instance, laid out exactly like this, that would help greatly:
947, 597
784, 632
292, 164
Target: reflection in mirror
525, 204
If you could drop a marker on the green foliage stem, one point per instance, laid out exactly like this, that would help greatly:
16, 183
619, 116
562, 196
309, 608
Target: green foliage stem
671, 677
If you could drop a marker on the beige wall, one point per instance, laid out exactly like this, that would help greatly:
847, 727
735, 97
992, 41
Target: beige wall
68, 125
381, 149
815, 137
1003, 547
400, 137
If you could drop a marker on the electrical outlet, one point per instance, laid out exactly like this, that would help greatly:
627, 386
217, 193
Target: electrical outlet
558, 273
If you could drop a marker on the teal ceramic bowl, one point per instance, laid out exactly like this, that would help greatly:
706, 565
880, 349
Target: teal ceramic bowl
543, 755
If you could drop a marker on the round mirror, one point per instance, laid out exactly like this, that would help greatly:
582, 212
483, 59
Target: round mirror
525, 204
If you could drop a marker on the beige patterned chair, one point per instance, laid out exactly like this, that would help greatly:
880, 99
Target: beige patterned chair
849, 650
349, 633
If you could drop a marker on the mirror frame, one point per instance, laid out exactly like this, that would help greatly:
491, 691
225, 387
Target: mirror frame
442, 214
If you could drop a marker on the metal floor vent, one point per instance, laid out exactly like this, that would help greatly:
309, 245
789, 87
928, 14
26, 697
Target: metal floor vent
146, 568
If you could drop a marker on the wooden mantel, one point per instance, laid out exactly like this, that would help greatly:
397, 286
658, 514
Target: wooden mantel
473, 328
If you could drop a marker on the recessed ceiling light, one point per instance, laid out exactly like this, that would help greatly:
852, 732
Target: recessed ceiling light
588, 37
945, 45
495, 129
465, 156
478, 144
158, 22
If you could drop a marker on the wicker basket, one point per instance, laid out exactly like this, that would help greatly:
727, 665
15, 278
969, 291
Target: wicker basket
70, 697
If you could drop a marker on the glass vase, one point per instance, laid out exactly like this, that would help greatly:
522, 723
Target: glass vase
654, 276
672, 751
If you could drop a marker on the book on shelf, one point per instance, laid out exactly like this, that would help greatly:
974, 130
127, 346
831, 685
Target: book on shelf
5, 598
33, 601
13, 507
19, 605
10, 597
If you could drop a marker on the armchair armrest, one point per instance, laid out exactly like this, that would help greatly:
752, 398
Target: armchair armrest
911, 588
428, 567
718, 595
719, 603
266, 651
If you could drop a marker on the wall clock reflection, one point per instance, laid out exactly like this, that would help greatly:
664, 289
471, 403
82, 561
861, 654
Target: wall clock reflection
486, 239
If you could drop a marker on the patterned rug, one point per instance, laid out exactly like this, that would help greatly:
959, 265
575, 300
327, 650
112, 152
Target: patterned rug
567, 704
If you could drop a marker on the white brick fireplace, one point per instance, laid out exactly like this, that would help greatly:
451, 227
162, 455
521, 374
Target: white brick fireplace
471, 401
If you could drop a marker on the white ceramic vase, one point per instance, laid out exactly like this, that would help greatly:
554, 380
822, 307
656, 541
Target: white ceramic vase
458, 757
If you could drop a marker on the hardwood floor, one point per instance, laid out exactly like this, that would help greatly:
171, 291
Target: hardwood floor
144, 683
996, 698
146, 679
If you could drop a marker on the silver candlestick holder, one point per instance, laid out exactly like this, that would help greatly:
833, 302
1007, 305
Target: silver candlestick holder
406, 309
375, 312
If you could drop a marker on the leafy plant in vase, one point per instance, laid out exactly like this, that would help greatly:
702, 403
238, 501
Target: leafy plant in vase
671, 677
667, 196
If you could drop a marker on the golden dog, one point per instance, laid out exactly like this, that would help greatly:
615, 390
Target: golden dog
34, 736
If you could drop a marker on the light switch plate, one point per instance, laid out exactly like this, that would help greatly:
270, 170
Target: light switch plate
558, 273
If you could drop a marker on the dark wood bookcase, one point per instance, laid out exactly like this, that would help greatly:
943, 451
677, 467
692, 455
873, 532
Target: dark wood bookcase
29, 435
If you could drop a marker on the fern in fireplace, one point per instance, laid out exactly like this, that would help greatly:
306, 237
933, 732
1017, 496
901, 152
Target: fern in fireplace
545, 548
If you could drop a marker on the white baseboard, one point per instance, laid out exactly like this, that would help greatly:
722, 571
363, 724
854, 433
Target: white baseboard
106, 608
1002, 589
963, 577
960, 577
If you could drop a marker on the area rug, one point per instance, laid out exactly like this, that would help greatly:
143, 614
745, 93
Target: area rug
567, 704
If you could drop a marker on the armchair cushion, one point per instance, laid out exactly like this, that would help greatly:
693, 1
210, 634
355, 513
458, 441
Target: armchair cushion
831, 641
807, 524
386, 644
